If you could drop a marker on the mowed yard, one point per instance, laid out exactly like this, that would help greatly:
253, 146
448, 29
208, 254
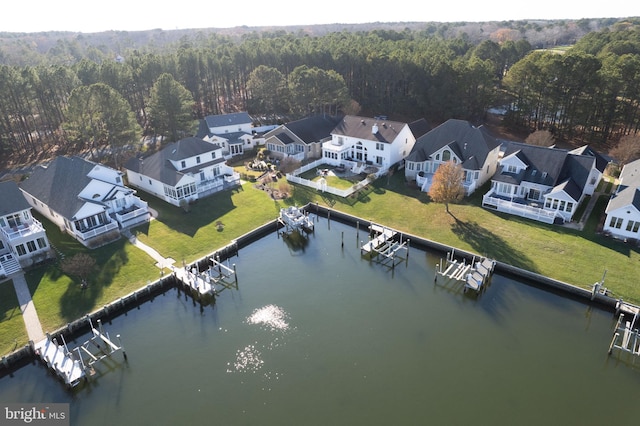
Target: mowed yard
579, 258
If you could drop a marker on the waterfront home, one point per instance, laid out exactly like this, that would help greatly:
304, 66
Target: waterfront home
363, 143
623, 210
85, 199
543, 183
458, 141
232, 132
301, 139
182, 171
23, 240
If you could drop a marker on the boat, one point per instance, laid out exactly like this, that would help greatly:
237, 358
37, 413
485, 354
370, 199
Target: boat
295, 219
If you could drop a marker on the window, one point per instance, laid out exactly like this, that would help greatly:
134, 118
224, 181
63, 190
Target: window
616, 222
511, 168
20, 250
547, 203
202, 177
198, 160
14, 220
446, 155
555, 204
534, 194
410, 165
183, 164
569, 207
379, 146
633, 226
42, 243
118, 179
31, 245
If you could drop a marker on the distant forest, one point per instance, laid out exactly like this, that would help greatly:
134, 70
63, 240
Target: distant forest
578, 79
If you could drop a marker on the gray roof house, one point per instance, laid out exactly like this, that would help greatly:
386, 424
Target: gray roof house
233, 132
458, 141
87, 200
183, 171
23, 240
623, 209
301, 139
543, 183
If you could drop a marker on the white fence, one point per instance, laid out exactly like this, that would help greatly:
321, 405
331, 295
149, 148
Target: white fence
320, 186
522, 210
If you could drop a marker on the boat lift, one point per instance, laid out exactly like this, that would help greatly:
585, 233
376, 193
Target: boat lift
474, 275
73, 365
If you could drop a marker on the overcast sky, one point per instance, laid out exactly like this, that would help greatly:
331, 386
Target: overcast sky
130, 15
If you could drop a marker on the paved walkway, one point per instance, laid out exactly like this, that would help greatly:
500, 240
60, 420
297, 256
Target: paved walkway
29, 314
161, 262
579, 225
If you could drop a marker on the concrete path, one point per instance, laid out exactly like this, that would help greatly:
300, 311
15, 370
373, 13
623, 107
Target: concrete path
161, 262
29, 314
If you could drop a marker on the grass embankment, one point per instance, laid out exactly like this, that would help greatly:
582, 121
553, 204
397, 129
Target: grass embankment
579, 258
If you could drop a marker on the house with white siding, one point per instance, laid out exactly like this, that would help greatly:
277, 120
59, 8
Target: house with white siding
543, 183
623, 209
23, 240
183, 171
87, 200
233, 132
458, 141
360, 143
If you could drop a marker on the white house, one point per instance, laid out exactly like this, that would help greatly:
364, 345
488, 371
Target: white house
623, 210
545, 184
301, 139
182, 171
85, 199
233, 132
23, 240
359, 142
458, 141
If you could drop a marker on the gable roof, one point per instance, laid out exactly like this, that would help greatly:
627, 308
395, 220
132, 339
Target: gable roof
419, 127
59, 183
11, 198
628, 193
313, 129
158, 166
470, 144
223, 120
363, 128
544, 164
586, 150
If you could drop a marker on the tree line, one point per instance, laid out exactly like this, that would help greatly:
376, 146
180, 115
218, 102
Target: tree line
591, 91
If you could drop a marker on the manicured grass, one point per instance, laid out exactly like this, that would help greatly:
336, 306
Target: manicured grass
191, 235
12, 329
579, 258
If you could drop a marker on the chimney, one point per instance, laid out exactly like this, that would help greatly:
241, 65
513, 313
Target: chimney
374, 129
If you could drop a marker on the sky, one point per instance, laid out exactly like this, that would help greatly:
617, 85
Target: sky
130, 15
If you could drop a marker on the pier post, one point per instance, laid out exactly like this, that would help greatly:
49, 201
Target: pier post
235, 274
121, 347
342, 242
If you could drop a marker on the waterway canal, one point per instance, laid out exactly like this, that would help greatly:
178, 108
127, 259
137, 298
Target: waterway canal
318, 336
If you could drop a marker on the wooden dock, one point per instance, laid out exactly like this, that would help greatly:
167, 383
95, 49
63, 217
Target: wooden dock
73, 365
626, 334
385, 245
210, 282
474, 274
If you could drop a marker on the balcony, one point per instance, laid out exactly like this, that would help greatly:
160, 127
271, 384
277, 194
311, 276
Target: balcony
133, 215
519, 206
95, 232
23, 230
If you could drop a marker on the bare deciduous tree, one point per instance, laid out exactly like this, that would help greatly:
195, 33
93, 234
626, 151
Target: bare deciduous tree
540, 138
627, 149
447, 186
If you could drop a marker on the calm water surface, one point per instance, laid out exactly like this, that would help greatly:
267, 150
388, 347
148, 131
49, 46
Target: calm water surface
320, 336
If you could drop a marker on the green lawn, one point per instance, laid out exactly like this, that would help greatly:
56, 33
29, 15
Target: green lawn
579, 258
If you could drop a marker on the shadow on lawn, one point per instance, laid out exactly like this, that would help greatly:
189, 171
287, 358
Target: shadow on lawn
77, 301
488, 244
